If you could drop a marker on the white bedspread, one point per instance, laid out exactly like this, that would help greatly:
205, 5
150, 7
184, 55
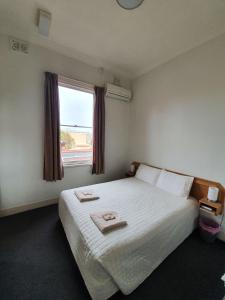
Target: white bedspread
157, 223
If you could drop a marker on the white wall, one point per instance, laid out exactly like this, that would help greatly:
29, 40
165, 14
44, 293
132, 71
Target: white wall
178, 113
21, 126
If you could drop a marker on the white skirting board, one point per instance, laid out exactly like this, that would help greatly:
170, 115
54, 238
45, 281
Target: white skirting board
21, 208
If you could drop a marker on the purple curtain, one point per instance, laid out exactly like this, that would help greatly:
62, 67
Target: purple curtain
99, 131
53, 167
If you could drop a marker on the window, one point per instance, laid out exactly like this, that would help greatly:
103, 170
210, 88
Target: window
76, 123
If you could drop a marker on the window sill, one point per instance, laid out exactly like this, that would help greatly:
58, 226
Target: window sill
74, 164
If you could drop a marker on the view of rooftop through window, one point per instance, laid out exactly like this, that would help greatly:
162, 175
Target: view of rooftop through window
76, 121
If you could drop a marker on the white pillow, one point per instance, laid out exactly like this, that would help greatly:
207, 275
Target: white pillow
147, 174
178, 185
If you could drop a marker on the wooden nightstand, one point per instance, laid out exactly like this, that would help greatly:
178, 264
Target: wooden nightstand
215, 207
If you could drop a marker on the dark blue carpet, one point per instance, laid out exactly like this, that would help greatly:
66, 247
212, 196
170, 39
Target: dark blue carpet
36, 263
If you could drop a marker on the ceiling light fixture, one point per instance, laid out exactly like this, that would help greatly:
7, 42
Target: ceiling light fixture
129, 4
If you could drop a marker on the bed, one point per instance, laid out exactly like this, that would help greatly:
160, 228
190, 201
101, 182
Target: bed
122, 259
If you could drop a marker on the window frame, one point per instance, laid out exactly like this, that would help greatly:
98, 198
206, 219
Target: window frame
83, 87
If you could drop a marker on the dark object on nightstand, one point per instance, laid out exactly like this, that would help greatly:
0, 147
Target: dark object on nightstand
129, 174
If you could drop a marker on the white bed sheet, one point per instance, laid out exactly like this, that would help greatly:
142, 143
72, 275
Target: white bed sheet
157, 223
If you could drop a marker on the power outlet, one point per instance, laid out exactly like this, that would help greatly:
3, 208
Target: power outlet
19, 45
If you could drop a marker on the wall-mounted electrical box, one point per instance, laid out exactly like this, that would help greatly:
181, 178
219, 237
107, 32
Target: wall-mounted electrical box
18, 45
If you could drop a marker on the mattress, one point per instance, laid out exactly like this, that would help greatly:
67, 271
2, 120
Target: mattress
122, 259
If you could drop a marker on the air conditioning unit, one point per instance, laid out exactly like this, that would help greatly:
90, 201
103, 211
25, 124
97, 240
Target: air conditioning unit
117, 92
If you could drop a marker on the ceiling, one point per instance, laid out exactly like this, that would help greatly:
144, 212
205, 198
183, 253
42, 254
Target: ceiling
101, 33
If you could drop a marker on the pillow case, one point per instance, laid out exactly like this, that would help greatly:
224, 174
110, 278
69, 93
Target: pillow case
147, 174
176, 184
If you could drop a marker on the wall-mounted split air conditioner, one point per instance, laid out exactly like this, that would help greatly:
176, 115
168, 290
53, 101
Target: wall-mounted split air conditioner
117, 92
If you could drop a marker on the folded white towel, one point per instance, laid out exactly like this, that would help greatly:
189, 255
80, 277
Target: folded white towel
86, 195
107, 220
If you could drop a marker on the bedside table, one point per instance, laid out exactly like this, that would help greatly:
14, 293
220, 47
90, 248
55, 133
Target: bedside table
129, 174
215, 208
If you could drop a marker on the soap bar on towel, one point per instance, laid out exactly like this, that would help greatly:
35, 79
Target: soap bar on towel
86, 195
107, 220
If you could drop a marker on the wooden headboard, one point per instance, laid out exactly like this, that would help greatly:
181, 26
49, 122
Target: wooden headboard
200, 186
